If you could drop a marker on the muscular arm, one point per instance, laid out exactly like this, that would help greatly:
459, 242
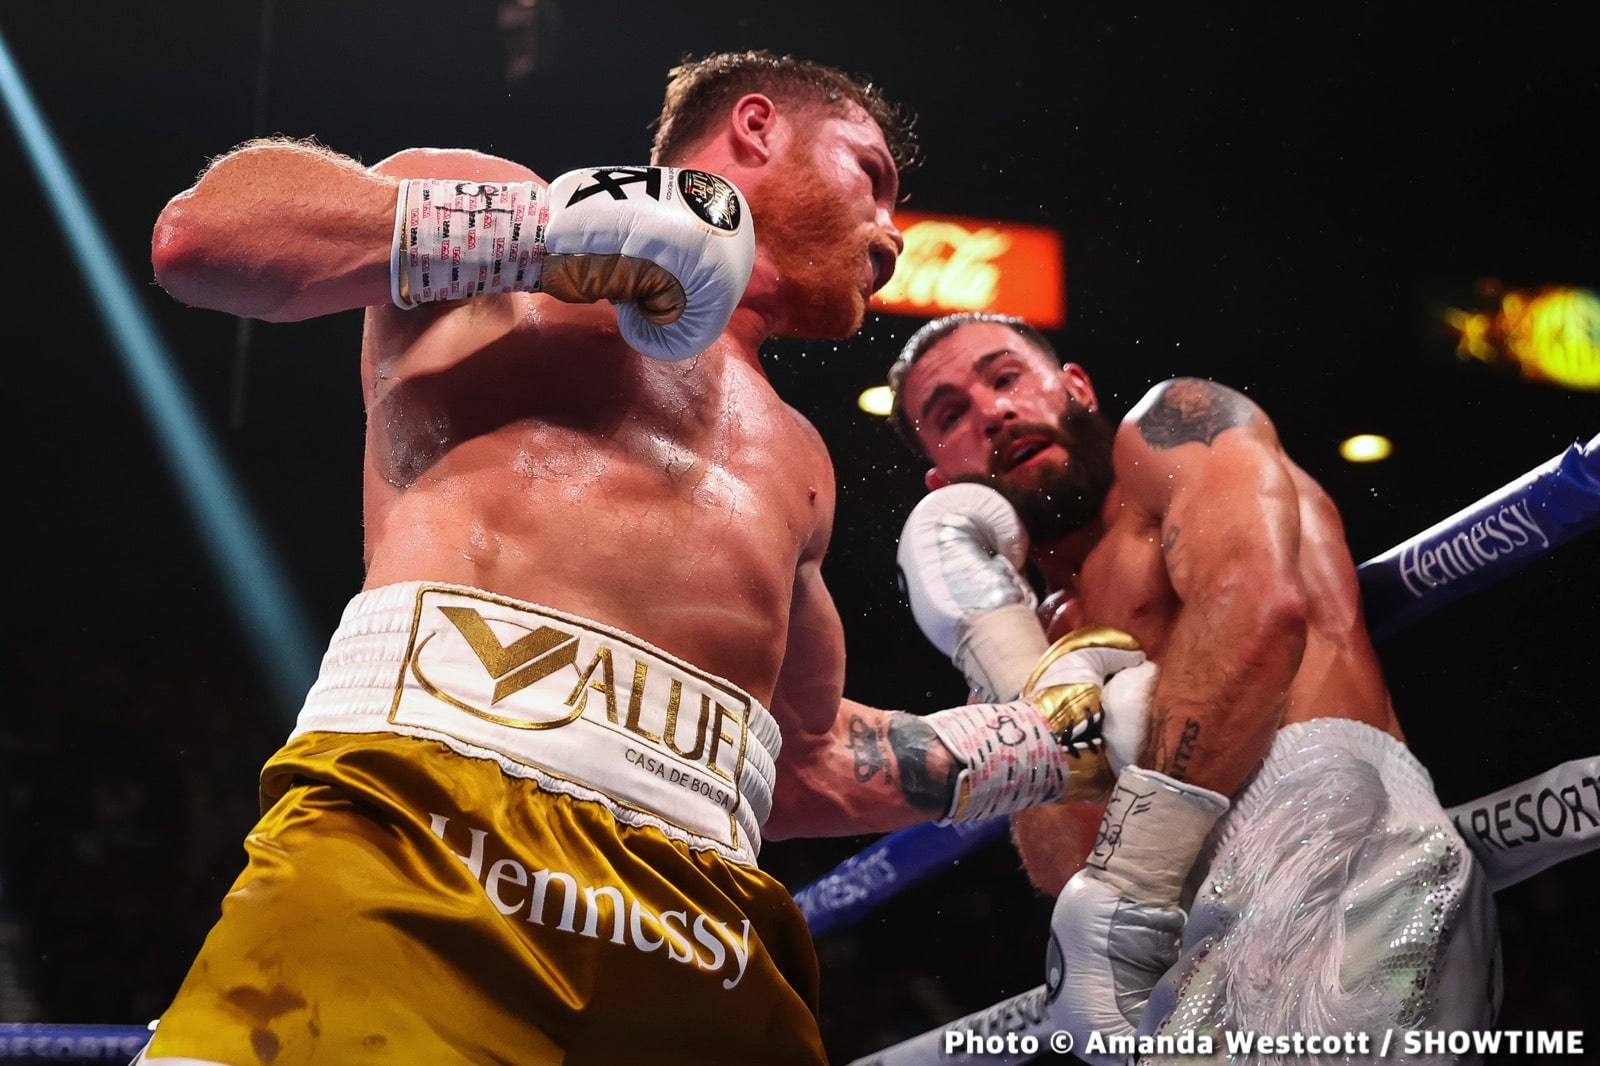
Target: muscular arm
846, 768
1207, 462
284, 230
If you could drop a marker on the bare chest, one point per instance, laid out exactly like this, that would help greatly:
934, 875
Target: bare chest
545, 455
1123, 583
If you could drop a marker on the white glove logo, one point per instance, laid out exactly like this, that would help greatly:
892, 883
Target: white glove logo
711, 197
613, 179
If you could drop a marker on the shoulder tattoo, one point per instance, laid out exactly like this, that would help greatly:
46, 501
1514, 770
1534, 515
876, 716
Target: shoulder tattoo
1192, 409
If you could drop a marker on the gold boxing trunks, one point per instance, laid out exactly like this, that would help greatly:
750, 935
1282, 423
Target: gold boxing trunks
501, 834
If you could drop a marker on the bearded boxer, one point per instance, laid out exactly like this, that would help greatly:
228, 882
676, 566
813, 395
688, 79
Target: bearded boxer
1273, 827
527, 790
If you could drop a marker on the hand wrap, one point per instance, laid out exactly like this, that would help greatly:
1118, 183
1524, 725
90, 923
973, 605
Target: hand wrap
672, 248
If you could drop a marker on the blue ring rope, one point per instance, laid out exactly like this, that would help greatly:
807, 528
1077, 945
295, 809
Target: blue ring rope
40, 1042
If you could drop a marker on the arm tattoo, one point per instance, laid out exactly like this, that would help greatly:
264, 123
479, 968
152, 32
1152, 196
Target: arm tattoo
1169, 538
1159, 756
910, 738
1153, 752
1176, 552
865, 745
1191, 409
1186, 743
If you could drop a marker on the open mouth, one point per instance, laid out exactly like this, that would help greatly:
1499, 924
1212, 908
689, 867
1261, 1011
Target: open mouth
1022, 451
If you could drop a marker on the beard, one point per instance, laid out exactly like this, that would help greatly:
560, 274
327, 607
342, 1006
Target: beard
1059, 497
818, 248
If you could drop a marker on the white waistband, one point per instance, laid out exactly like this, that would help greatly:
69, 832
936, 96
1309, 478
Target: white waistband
1301, 743
1322, 743
583, 709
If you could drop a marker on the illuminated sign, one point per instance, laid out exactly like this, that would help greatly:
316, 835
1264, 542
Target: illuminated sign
971, 264
1552, 335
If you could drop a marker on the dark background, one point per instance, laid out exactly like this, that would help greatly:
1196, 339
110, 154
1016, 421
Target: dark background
1279, 201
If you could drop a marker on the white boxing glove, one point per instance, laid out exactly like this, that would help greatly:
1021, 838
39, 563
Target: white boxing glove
960, 558
1094, 685
690, 224
1067, 737
1118, 923
672, 248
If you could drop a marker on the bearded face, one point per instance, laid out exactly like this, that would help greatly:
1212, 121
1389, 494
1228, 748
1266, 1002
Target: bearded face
1054, 493
819, 247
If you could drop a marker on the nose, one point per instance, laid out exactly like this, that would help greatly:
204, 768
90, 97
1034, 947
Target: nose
886, 220
997, 408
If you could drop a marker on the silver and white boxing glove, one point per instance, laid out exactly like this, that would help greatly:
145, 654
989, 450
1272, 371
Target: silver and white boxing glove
1118, 923
672, 248
961, 556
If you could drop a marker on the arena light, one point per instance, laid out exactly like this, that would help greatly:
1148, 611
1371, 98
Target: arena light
876, 401
1551, 335
1365, 448
243, 560
952, 263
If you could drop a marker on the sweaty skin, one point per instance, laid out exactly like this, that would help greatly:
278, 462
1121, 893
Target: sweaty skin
1225, 559
516, 444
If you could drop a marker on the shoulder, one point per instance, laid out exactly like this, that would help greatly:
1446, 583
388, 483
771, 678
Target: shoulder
1189, 410
463, 163
813, 453
810, 460
808, 433
1154, 457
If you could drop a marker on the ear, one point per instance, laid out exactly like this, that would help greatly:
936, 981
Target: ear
934, 480
1077, 383
754, 128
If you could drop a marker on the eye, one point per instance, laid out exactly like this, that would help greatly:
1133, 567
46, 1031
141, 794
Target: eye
947, 417
873, 167
944, 416
874, 174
